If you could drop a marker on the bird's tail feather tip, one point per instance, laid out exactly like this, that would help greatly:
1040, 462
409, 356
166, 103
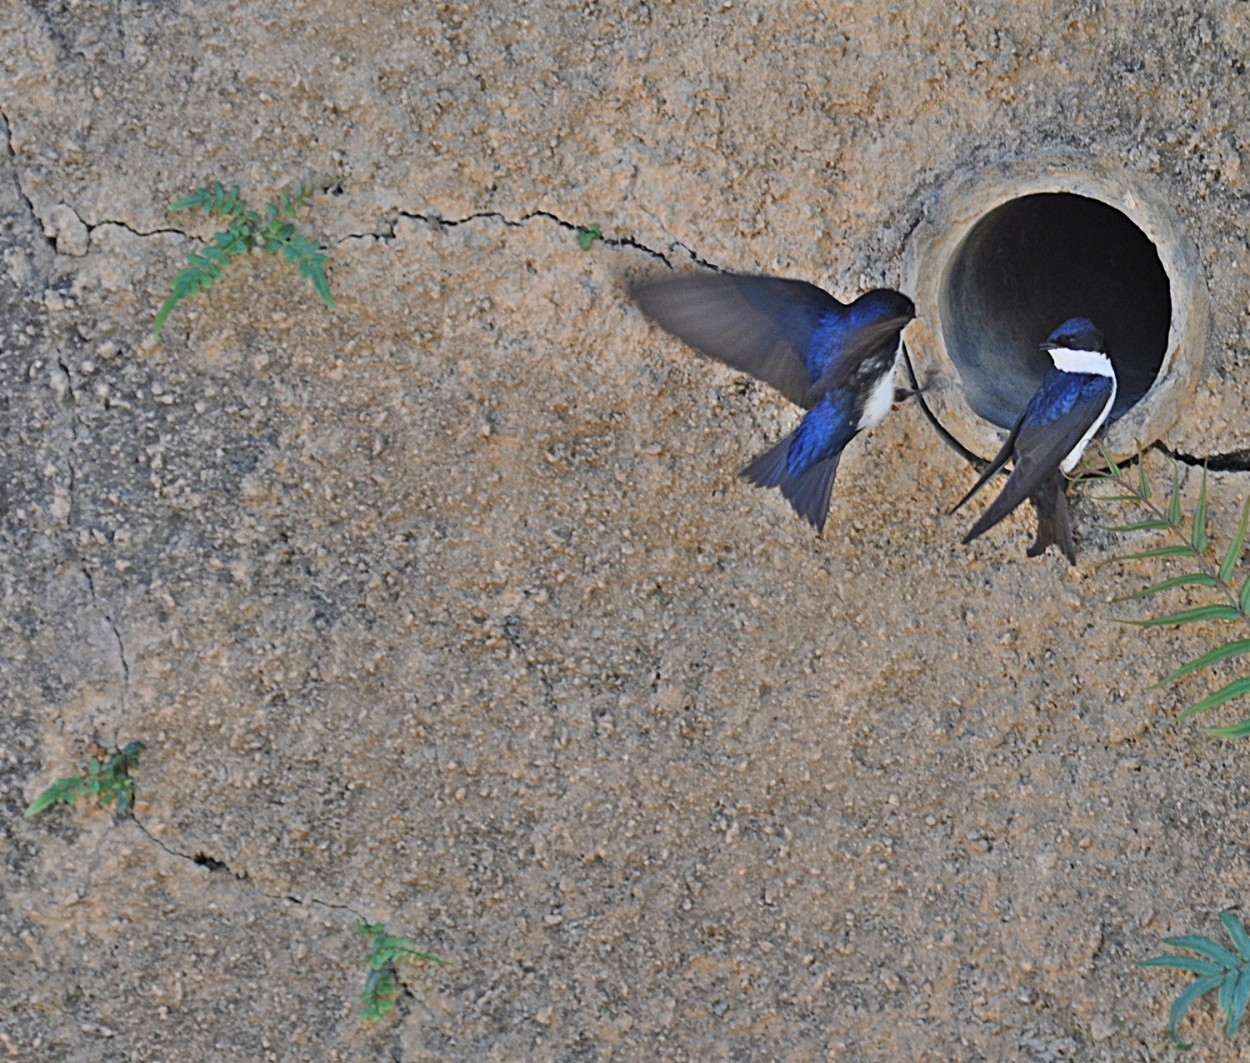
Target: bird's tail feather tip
808, 493
984, 523
1054, 525
1052, 532
768, 469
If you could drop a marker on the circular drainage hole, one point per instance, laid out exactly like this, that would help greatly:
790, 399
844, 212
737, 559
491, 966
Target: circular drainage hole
1030, 264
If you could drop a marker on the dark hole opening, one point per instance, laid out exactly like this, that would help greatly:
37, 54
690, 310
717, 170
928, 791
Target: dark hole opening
1028, 266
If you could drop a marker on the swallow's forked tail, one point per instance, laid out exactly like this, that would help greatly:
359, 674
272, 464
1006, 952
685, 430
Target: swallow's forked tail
1053, 523
808, 492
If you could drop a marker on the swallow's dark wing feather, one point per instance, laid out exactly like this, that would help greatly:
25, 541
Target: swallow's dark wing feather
1042, 442
1000, 459
877, 339
759, 325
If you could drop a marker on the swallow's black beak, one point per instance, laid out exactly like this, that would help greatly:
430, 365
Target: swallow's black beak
903, 394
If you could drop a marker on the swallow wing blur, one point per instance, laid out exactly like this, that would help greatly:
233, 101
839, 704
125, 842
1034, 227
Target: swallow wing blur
759, 325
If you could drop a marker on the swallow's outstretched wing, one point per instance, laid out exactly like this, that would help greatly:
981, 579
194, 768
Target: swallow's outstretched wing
759, 325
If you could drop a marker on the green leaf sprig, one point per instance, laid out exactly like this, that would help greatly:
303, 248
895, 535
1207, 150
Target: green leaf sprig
1216, 968
106, 780
272, 230
381, 985
588, 234
1209, 569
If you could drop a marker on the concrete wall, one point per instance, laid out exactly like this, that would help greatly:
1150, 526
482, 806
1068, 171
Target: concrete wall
446, 609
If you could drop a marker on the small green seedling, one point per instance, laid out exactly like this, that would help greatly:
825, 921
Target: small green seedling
382, 986
273, 231
1218, 968
587, 235
1210, 569
106, 781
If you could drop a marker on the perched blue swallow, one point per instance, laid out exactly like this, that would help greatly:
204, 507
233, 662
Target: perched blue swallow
1046, 443
834, 360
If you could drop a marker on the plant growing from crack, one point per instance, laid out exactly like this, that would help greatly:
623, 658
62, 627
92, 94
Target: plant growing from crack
588, 234
272, 230
1207, 568
106, 780
389, 950
1216, 968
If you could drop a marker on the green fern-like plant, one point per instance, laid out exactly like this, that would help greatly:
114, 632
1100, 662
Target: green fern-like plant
1215, 571
272, 230
106, 780
389, 950
1216, 968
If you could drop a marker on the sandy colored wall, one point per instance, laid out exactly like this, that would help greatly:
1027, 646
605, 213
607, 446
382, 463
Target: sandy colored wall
446, 608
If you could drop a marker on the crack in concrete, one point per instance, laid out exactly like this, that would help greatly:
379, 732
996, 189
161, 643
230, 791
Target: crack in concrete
72, 471
430, 219
544, 215
389, 234
214, 865
127, 227
107, 616
17, 181
1230, 461
71, 486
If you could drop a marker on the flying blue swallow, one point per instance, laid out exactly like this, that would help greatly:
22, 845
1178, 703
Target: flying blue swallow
834, 360
1046, 443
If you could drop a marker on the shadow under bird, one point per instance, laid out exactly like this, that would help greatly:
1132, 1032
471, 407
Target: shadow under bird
835, 360
1048, 440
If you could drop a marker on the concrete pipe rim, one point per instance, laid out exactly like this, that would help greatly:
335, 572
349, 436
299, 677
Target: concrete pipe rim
955, 389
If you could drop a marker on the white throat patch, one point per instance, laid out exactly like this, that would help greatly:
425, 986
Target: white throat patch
1094, 362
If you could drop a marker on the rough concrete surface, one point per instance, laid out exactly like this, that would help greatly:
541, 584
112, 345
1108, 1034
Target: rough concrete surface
446, 609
